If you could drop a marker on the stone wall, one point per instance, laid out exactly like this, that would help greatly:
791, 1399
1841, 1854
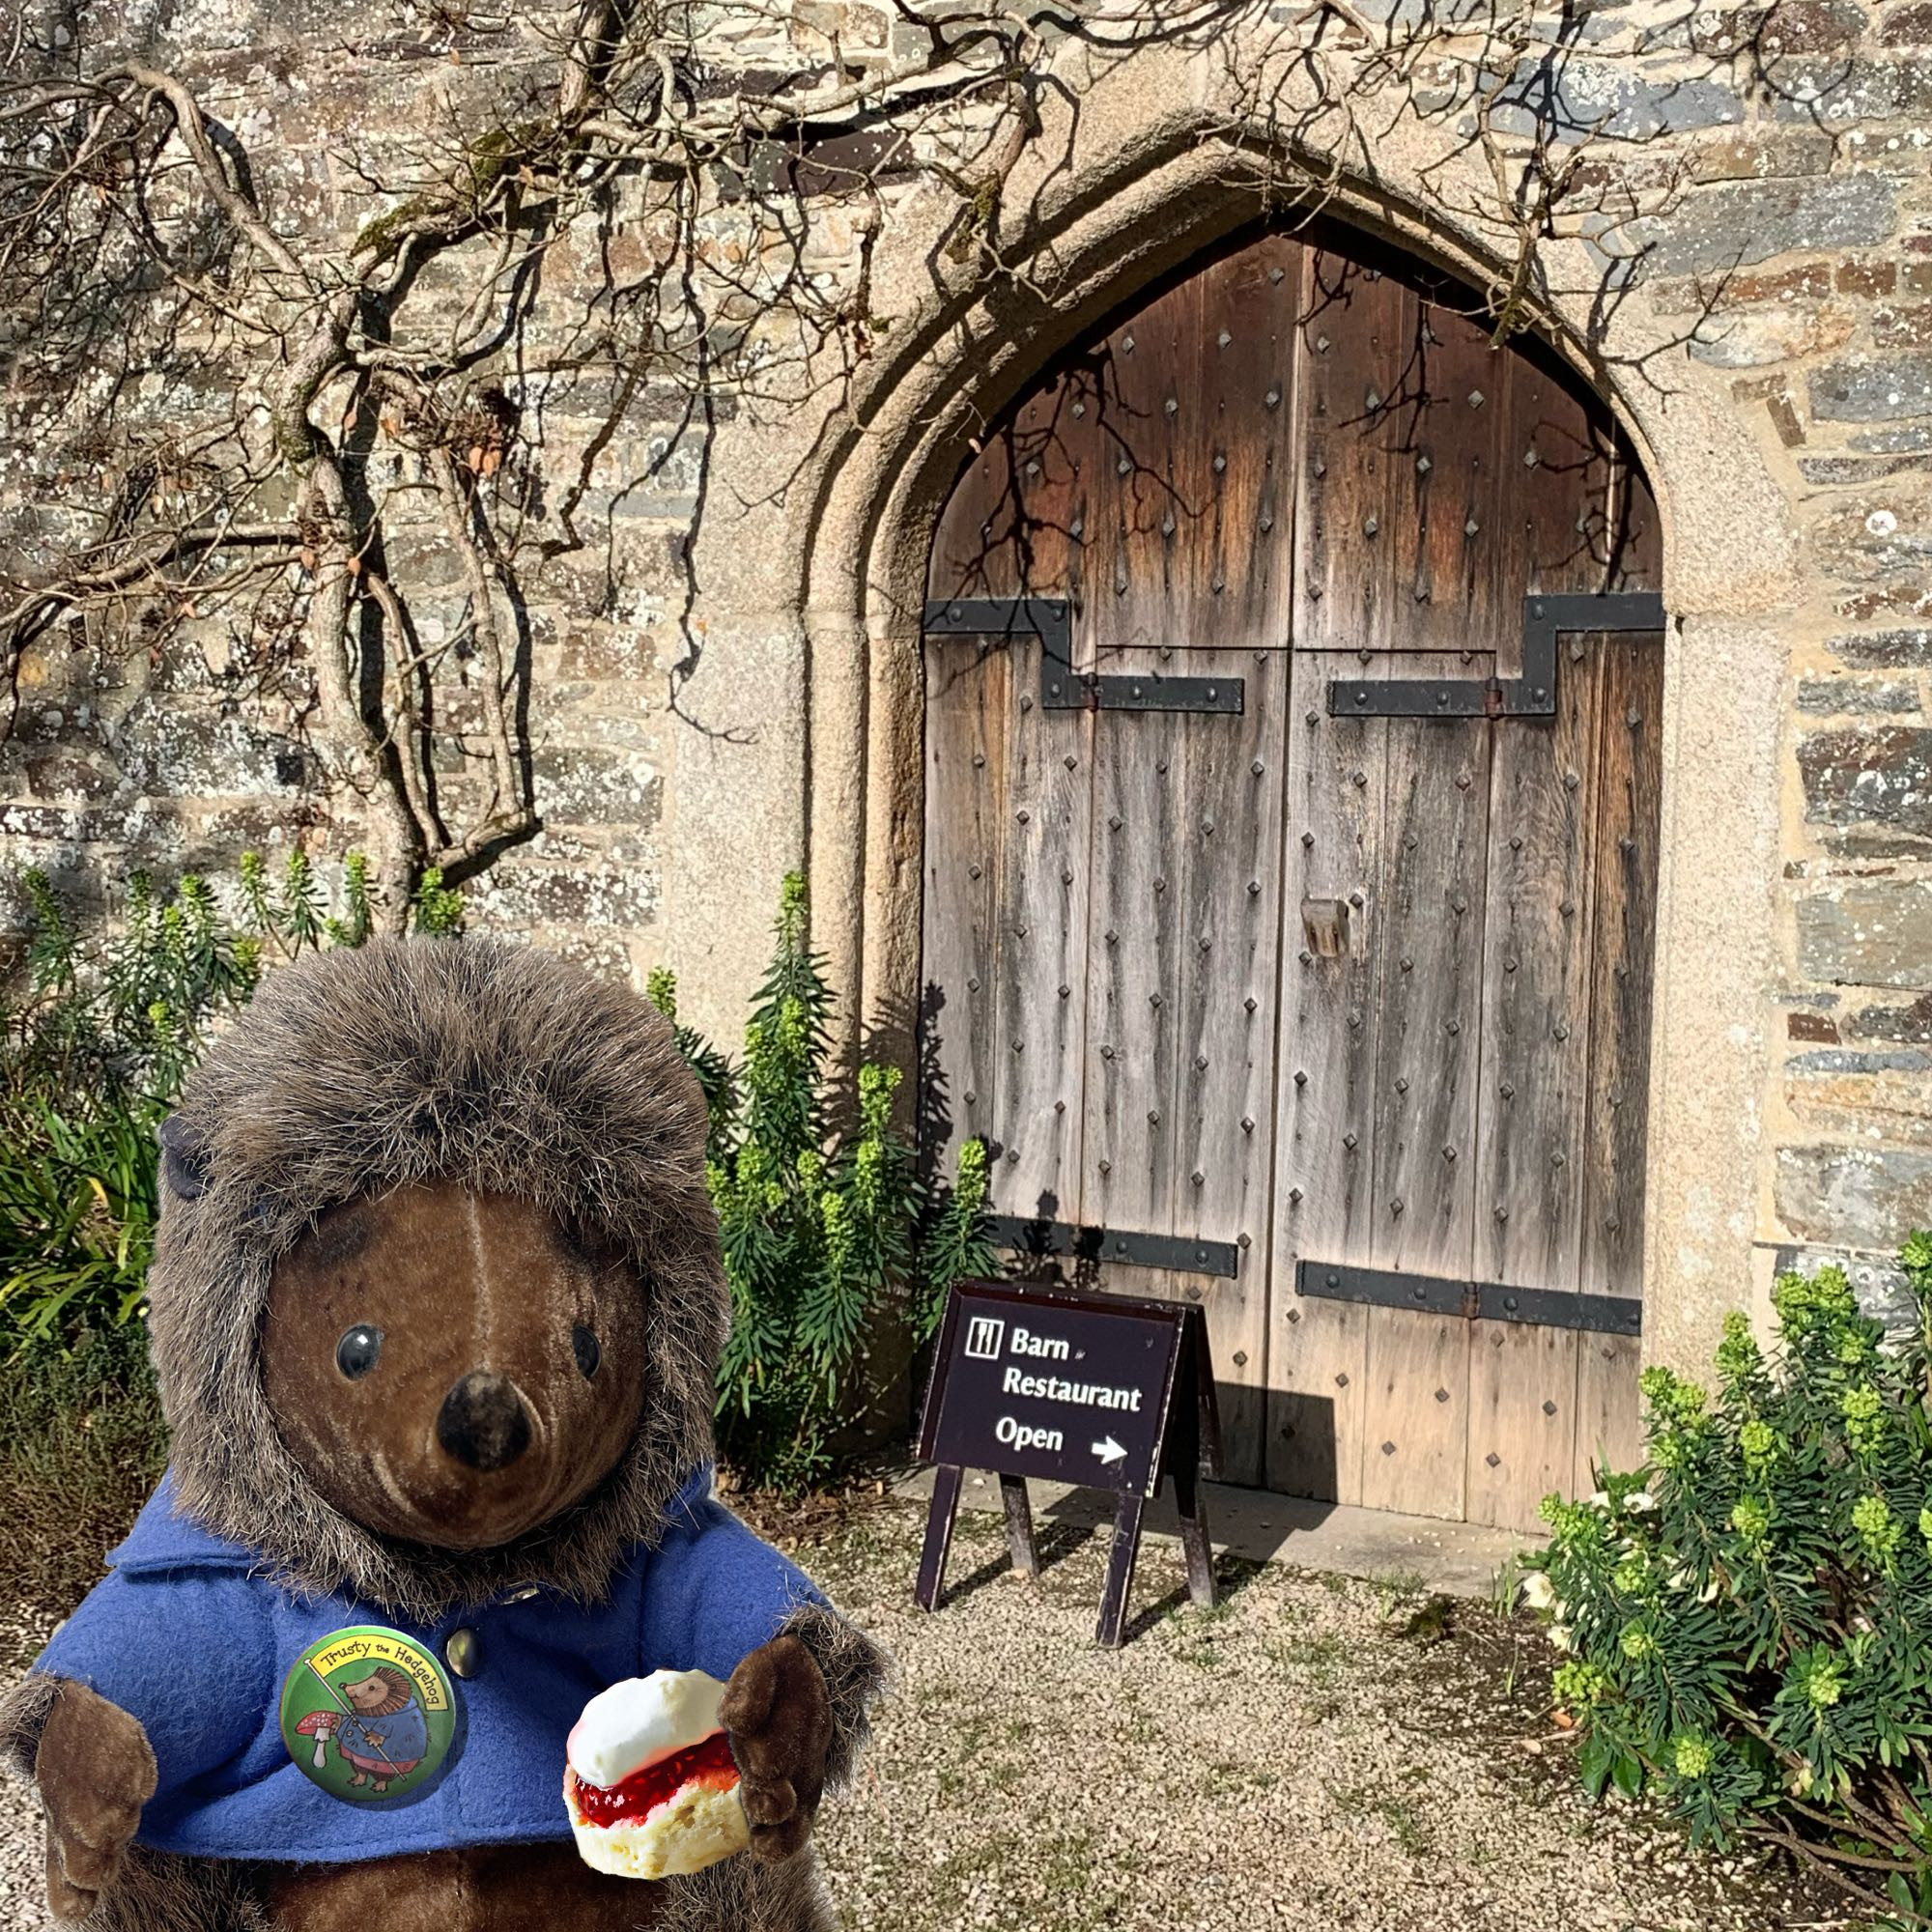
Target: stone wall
1760, 174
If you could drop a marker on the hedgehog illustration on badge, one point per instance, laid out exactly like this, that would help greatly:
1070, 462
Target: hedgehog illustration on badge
367, 1714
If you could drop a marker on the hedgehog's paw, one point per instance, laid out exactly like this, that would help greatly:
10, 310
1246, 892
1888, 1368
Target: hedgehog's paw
95, 1770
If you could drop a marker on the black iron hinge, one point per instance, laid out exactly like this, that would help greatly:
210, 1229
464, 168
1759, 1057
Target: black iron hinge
1478, 1300
1061, 688
1533, 695
1184, 1254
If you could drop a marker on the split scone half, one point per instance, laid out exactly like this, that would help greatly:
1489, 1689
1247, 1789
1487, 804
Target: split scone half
650, 1782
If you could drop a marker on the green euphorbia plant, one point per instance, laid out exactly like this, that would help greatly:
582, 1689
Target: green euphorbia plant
1747, 1620
823, 1230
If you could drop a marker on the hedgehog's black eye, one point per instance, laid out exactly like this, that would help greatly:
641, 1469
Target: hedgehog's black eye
359, 1350
184, 1160
585, 1346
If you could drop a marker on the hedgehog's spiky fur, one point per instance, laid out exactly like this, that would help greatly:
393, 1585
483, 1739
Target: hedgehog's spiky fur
506, 1071
503, 1070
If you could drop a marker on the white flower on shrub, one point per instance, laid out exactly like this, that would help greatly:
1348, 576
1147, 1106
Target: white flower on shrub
1538, 1592
1638, 1501
1559, 1637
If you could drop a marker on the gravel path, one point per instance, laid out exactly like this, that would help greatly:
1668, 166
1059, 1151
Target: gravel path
1291, 1757
22, 1900
1288, 1758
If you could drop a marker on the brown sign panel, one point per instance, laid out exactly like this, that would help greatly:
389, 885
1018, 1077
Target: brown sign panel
1073, 1389
1100, 1391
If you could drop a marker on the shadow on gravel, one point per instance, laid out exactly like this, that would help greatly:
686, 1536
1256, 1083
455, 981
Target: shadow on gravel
1053, 1543
1231, 1575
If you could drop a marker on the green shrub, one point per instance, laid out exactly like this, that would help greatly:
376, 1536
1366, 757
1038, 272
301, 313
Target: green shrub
91, 1053
1747, 1619
93, 1048
821, 1230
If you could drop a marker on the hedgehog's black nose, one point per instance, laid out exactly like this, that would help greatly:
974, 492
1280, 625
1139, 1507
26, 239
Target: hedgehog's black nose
483, 1421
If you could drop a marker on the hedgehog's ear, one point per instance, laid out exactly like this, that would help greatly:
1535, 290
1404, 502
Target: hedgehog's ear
184, 1159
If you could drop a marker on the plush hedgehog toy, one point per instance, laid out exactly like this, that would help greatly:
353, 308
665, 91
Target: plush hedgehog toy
438, 1302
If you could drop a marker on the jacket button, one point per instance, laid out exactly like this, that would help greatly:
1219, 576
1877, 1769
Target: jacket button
465, 1652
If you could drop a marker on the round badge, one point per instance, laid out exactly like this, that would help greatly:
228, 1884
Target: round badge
368, 1714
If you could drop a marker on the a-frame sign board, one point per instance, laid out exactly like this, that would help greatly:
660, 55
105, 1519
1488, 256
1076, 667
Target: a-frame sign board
1103, 1391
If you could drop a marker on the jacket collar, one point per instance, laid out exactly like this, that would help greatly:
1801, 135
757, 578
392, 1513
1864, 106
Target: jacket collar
163, 1538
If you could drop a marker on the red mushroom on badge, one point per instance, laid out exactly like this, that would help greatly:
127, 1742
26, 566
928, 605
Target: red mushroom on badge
321, 1726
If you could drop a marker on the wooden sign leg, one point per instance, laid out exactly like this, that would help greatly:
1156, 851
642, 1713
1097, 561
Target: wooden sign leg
1192, 1506
1019, 1524
939, 1515
1121, 1571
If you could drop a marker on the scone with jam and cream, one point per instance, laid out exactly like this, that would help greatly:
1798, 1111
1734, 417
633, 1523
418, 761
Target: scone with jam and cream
651, 1785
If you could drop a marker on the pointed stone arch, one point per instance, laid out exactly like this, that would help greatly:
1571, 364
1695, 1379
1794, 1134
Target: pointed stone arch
1133, 175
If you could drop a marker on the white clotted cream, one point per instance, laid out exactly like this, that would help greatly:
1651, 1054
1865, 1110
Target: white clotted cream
642, 1721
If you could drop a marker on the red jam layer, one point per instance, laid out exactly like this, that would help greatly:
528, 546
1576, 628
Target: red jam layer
643, 1791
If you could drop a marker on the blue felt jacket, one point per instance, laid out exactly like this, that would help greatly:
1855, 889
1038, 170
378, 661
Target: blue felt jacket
187, 1633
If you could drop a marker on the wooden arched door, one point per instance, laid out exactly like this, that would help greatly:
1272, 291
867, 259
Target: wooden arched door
1294, 665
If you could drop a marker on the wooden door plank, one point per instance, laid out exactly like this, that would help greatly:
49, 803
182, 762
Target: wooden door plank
1609, 1432
1229, 970
1418, 1425
1008, 527
1634, 535
1131, 1081
1233, 414
978, 549
1428, 1047
1530, 1176
968, 689
1195, 541
1133, 967
1560, 469
1318, 1392
1143, 514
1348, 348
1630, 756
1523, 1422
1045, 461
1324, 1119
1464, 588
1173, 604
1352, 347
1041, 962
1235, 430
1550, 482
1429, 961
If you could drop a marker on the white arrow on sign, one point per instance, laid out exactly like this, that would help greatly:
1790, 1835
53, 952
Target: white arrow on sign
1110, 1451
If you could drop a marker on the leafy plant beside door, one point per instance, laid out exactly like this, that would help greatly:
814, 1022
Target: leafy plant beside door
825, 1228
1747, 1618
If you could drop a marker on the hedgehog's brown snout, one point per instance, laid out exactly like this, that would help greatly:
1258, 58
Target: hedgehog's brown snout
484, 1421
